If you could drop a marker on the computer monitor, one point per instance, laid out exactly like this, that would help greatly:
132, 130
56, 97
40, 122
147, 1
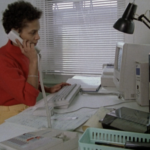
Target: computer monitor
126, 57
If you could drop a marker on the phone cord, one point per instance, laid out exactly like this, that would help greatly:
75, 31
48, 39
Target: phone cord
48, 113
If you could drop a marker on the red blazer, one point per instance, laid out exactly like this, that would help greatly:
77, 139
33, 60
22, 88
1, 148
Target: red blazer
14, 67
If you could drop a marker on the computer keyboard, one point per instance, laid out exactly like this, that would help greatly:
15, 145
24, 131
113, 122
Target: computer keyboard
64, 97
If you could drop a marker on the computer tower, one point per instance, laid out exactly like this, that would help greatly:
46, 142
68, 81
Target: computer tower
142, 83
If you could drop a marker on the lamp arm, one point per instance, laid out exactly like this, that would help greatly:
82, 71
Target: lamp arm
140, 18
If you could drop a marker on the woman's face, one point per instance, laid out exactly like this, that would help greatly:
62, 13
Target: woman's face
30, 32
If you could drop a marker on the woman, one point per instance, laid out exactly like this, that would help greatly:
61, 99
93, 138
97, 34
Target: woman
19, 81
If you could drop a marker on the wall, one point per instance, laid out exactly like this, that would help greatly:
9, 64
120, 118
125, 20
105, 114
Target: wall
142, 32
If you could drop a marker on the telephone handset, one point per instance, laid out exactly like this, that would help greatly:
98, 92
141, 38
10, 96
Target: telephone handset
13, 35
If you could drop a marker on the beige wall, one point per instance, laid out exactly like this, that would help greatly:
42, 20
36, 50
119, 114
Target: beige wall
142, 32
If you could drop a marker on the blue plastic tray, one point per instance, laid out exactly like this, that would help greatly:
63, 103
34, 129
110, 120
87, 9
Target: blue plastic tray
92, 135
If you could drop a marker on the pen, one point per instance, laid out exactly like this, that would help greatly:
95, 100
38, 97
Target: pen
109, 144
67, 118
137, 145
128, 144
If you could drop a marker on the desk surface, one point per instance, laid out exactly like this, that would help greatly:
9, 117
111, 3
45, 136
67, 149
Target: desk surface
9, 130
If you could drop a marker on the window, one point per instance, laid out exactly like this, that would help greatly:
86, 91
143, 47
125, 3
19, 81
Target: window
77, 36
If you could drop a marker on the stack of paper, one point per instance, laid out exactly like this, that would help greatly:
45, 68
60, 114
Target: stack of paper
89, 84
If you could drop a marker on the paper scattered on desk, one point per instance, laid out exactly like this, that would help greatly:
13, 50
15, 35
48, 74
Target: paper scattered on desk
2, 148
58, 121
9, 130
66, 118
94, 119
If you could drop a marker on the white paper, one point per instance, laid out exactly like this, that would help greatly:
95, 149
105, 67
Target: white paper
10, 130
87, 77
58, 121
87, 84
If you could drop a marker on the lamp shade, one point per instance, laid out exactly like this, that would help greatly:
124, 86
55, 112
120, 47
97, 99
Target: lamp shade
126, 24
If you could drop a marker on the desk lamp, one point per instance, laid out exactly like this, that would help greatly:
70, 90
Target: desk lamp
126, 24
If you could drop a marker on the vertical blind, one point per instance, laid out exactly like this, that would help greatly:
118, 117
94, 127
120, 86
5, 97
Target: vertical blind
77, 36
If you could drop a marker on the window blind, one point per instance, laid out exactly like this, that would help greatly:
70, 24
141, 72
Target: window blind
77, 36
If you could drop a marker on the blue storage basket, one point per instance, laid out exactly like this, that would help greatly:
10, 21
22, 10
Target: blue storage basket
92, 135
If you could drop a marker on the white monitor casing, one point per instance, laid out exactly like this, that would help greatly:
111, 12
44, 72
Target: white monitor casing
125, 79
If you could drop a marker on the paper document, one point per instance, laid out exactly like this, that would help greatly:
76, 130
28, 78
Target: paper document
9, 130
94, 120
87, 83
68, 121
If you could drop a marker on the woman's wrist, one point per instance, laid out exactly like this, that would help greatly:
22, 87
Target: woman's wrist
35, 76
35, 61
47, 90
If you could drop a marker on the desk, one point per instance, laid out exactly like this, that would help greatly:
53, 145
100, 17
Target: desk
9, 130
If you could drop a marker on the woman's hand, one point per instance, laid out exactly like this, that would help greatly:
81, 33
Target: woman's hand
29, 51
56, 88
27, 48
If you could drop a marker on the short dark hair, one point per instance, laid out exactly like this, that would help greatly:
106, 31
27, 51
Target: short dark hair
18, 14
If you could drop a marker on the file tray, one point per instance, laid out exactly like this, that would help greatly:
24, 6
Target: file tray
92, 135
